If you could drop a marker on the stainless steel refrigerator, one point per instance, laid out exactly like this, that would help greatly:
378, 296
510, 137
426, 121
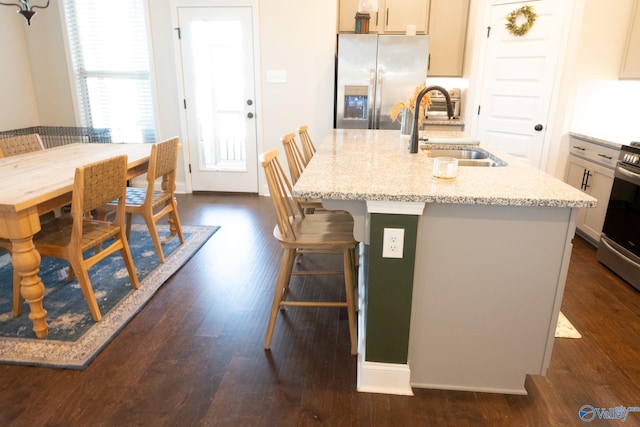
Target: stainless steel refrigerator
373, 73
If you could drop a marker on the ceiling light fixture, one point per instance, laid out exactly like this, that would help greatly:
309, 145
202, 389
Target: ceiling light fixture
26, 9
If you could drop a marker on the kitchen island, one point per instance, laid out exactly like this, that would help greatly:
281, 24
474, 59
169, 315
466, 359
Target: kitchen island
473, 300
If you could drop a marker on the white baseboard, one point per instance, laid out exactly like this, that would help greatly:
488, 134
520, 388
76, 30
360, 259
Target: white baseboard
386, 378
480, 389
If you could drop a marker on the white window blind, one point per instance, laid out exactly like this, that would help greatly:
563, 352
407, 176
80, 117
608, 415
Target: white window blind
109, 49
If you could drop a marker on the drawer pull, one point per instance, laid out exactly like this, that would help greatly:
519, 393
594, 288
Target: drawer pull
605, 156
579, 148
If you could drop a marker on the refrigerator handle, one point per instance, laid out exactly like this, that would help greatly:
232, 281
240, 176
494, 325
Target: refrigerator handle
371, 97
378, 96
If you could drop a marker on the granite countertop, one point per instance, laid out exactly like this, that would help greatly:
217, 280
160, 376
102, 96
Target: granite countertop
375, 165
443, 122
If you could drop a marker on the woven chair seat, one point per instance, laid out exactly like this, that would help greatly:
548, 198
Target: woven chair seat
136, 198
58, 232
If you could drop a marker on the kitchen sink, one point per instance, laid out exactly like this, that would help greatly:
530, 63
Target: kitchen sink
466, 156
457, 154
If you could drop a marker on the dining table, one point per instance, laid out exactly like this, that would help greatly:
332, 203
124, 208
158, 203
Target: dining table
36, 183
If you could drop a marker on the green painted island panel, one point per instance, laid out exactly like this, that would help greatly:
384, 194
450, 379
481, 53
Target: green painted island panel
389, 291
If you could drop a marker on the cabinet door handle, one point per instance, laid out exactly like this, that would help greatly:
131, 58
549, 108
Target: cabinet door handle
585, 180
605, 156
387, 23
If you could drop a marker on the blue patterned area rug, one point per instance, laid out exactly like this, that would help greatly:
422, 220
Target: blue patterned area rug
74, 339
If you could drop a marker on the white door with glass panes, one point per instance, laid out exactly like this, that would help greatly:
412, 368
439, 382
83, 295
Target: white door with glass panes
218, 73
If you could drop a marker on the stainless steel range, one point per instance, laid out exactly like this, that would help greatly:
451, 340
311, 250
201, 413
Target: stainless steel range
619, 247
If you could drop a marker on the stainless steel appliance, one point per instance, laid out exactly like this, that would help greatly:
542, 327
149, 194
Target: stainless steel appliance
374, 72
438, 108
619, 247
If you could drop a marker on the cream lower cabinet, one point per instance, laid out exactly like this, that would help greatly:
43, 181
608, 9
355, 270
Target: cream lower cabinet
595, 180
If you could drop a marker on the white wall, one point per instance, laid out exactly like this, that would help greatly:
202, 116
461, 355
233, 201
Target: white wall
297, 36
300, 38
18, 106
599, 104
604, 106
51, 81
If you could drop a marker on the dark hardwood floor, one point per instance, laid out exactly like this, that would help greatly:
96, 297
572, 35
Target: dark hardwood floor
194, 357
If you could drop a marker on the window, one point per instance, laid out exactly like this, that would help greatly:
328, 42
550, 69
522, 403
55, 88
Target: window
110, 57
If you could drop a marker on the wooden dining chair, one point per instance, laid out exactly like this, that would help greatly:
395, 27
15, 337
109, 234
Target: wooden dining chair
71, 238
12, 146
152, 204
295, 158
308, 148
296, 163
19, 144
331, 231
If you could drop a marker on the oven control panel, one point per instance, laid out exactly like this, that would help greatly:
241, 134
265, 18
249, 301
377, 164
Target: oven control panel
630, 155
632, 159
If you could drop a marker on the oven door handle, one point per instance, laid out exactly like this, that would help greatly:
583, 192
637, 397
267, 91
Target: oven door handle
627, 175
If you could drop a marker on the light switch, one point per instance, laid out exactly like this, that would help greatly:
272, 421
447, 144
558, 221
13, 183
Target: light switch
276, 76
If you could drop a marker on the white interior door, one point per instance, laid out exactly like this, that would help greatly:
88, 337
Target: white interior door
218, 71
518, 80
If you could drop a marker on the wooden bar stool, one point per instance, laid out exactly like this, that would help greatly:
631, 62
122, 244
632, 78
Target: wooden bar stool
330, 231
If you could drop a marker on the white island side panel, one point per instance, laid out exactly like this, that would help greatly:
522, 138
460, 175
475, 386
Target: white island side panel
487, 290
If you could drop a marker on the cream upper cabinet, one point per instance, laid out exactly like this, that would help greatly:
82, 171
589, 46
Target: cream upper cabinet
631, 60
447, 34
397, 14
445, 21
392, 17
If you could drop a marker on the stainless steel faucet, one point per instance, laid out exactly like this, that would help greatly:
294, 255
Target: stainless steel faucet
413, 142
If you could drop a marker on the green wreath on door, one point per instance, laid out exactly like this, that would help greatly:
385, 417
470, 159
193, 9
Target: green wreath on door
522, 29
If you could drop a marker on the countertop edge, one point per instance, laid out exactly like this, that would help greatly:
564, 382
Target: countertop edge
595, 140
504, 201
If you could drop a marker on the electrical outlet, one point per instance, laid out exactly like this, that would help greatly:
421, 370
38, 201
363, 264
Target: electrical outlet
393, 243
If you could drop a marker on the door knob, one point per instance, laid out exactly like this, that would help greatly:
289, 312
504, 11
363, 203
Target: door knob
538, 127
250, 115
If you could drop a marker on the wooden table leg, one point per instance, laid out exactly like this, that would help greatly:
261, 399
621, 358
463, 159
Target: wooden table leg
26, 260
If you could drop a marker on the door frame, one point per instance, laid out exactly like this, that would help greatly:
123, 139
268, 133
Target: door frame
556, 116
253, 4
